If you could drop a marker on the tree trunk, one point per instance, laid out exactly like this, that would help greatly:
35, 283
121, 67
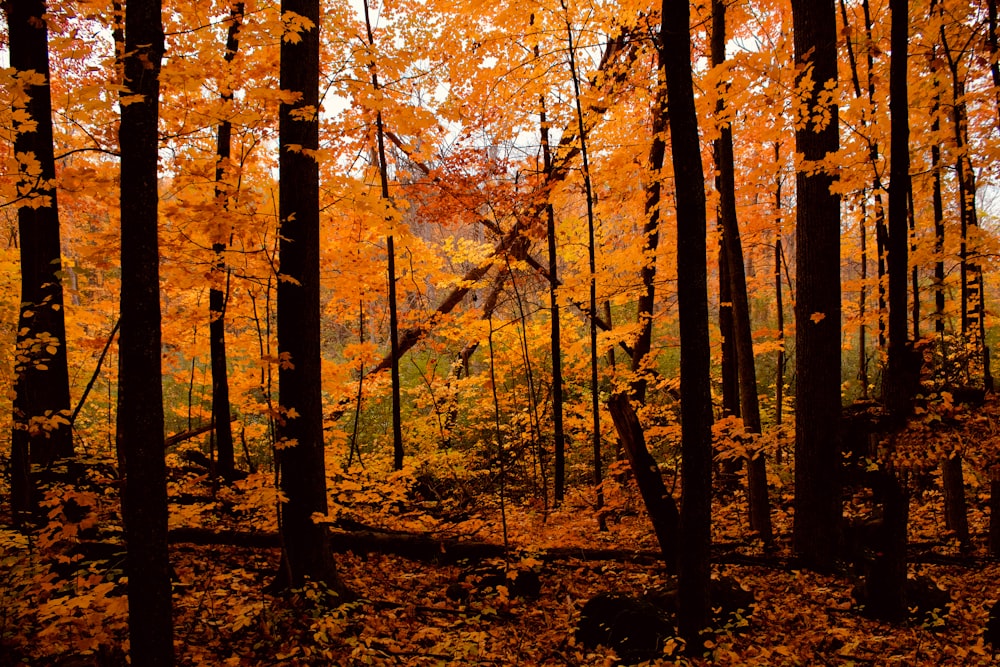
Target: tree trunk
725, 183
692, 305
390, 249
994, 536
886, 582
41, 431
558, 434
218, 297
885, 571
938, 207
956, 515
140, 416
881, 234
659, 503
306, 550
729, 369
595, 390
898, 385
817, 305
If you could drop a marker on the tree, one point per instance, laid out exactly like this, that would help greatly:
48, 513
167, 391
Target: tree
140, 417
390, 251
305, 543
659, 502
732, 257
217, 296
595, 391
817, 305
41, 429
692, 296
887, 580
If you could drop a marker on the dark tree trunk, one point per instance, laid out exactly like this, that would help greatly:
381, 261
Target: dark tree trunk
817, 306
886, 583
659, 502
938, 207
881, 233
898, 386
779, 371
994, 536
732, 251
651, 238
390, 249
41, 429
306, 550
217, 296
729, 369
991, 42
911, 218
885, 571
863, 226
692, 297
140, 415
558, 434
956, 514
595, 390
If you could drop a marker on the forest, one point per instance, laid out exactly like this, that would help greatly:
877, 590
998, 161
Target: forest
432, 332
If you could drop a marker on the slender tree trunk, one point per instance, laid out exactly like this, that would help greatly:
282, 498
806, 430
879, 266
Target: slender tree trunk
779, 371
881, 234
863, 378
914, 270
306, 550
897, 385
41, 407
558, 434
729, 368
725, 182
938, 206
217, 296
817, 305
390, 249
692, 296
659, 502
886, 582
595, 390
994, 534
140, 416
991, 42
970, 273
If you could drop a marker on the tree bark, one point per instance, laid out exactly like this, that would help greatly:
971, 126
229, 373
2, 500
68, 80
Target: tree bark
595, 390
306, 550
886, 583
140, 415
555, 335
217, 297
956, 514
692, 295
41, 431
817, 305
898, 385
725, 183
659, 503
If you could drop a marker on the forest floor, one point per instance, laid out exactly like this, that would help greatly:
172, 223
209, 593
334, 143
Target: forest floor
62, 603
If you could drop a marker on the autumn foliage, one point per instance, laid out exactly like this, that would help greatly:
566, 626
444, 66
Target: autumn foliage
477, 141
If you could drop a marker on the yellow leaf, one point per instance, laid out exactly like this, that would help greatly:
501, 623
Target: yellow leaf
817, 317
